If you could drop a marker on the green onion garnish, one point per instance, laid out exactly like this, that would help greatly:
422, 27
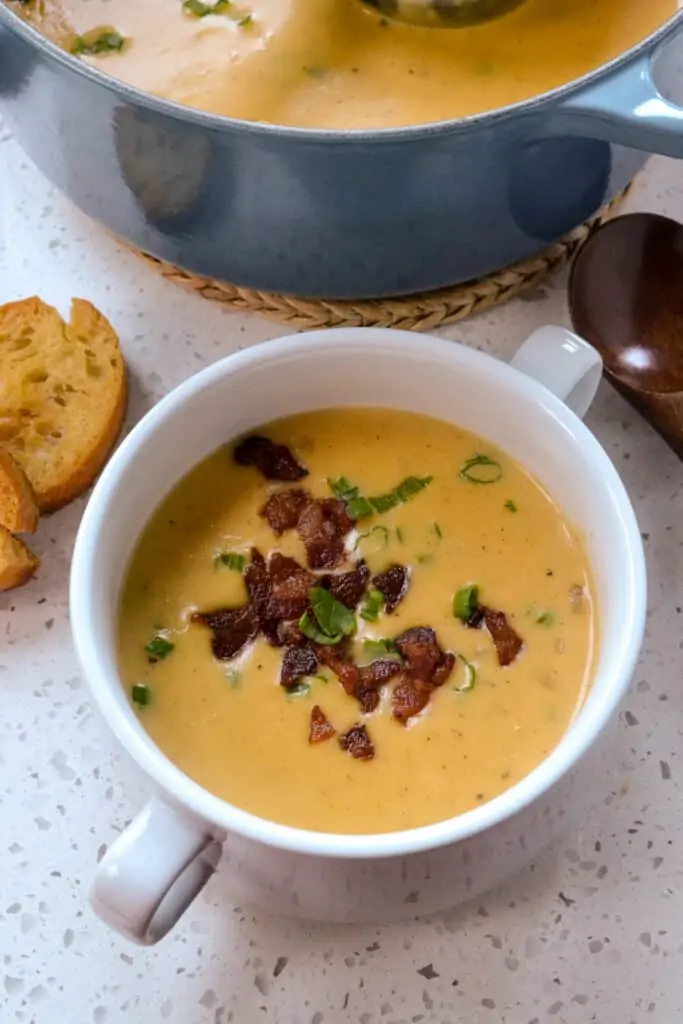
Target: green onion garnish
231, 559
382, 539
246, 21
546, 619
510, 505
328, 621
381, 648
470, 677
481, 469
200, 10
359, 507
465, 602
372, 605
399, 535
95, 43
300, 689
437, 530
159, 647
141, 695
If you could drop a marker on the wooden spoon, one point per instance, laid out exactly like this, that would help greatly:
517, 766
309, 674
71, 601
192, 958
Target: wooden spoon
442, 13
626, 298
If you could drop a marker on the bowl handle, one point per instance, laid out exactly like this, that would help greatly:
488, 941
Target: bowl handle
153, 871
625, 107
565, 363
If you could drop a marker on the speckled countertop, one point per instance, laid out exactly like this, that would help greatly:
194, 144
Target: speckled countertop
593, 933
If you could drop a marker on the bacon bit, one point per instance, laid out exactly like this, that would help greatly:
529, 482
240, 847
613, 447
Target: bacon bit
348, 587
321, 729
337, 658
232, 629
283, 508
290, 584
506, 641
289, 634
322, 527
371, 678
426, 661
356, 742
393, 584
274, 461
297, 663
409, 698
257, 581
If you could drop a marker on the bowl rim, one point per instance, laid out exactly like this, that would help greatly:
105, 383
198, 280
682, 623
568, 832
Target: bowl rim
197, 801
221, 122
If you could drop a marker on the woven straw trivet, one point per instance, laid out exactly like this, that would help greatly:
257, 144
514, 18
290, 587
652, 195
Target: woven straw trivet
420, 312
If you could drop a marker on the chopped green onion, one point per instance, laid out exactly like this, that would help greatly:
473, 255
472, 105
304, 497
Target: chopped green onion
425, 559
407, 489
481, 469
300, 689
159, 647
141, 695
246, 21
231, 559
465, 602
200, 10
342, 488
381, 648
546, 619
382, 539
470, 676
510, 505
437, 530
372, 605
328, 620
399, 535
93, 44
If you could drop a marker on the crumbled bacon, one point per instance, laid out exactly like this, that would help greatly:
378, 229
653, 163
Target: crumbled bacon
356, 742
338, 659
232, 629
371, 678
507, 642
393, 584
409, 698
425, 659
348, 587
283, 508
257, 580
297, 663
274, 461
321, 729
289, 635
289, 587
322, 526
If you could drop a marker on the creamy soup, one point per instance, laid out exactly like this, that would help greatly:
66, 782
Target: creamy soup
454, 572
334, 64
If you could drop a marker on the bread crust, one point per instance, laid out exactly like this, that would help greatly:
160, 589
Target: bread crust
17, 562
18, 508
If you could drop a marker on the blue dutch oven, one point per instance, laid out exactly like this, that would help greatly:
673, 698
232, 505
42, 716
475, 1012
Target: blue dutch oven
343, 214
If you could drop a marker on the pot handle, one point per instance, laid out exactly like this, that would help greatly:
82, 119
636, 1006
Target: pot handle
153, 871
627, 108
563, 362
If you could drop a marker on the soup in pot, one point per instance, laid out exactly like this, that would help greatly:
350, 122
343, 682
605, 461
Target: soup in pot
358, 621
335, 64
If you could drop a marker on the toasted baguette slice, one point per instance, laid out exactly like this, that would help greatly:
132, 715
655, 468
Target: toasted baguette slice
18, 508
17, 562
62, 395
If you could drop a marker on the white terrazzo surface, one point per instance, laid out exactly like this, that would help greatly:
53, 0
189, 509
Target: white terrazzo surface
593, 933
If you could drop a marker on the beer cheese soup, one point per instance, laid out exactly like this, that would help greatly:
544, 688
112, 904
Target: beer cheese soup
335, 64
357, 621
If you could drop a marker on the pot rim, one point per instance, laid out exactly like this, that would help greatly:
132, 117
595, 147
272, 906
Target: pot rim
104, 679
221, 122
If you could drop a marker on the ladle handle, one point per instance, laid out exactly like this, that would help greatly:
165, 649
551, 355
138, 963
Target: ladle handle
565, 363
626, 108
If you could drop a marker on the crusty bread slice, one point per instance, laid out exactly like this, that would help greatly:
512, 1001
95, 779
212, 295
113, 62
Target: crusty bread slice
18, 508
62, 395
17, 562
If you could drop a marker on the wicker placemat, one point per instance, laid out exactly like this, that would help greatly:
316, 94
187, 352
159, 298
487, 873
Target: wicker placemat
420, 312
